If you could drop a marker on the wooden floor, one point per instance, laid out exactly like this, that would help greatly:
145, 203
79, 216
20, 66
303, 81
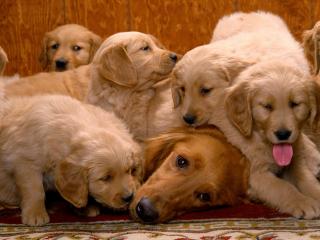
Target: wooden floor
179, 24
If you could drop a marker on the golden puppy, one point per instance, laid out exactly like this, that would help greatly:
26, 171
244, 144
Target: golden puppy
188, 169
311, 44
67, 47
56, 142
269, 106
124, 77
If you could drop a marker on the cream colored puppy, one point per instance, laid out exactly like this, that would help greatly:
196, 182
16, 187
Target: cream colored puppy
204, 75
125, 77
68, 46
56, 142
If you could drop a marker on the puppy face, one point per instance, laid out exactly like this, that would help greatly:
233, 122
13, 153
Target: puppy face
189, 170
134, 59
275, 102
68, 47
111, 170
199, 80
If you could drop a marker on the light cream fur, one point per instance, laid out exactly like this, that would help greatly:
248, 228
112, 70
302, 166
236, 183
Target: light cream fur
204, 76
56, 142
72, 44
126, 79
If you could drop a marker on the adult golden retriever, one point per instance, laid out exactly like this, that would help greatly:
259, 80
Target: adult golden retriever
202, 79
68, 46
189, 169
56, 142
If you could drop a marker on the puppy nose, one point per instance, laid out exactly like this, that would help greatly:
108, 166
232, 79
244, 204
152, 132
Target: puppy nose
146, 211
189, 118
61, 64
283, 134
128, 198
173, 57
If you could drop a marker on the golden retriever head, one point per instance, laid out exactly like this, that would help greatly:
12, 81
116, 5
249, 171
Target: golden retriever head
199, 81
133, 60
68, 47
189, 169
105, 167
275, 101
3, 60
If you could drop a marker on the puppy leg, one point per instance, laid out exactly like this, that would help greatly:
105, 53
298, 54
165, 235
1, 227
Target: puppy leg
283, 195
32, 204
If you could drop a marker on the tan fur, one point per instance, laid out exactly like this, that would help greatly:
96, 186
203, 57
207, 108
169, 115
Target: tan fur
125, 78
3, 60
56, 142
215, 167
71, 43
268, 58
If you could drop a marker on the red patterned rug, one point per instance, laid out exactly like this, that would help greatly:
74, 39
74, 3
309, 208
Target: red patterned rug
247, 221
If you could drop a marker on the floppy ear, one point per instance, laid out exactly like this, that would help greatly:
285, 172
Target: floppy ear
158, 148
3, 60
314, 96
176, 92
238, 108
95, 42
232, 67
311, 42
116, 66
43, 58
72, 183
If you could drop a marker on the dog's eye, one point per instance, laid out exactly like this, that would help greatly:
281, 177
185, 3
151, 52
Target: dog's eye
76, 48
133, 171
106, 178
182, 89
268, 106
181, 162
55, 46
204, 197
145, 48
204, 91
293, 104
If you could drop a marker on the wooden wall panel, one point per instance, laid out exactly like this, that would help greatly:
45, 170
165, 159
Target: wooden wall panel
180, 24
102, 17
23, 24
297, 14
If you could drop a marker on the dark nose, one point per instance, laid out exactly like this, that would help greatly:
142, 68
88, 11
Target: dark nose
61, 64
127, 198
174, 57
145, 210
189, 118
283, 134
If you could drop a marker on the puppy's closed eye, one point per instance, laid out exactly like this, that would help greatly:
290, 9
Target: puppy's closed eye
55, 46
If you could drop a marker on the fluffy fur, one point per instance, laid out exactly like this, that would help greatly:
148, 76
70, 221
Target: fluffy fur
188, 169
56, 142
68, 46
125, 78
203, 77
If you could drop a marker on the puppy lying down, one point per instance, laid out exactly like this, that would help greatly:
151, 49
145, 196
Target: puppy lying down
56, 142
189, 169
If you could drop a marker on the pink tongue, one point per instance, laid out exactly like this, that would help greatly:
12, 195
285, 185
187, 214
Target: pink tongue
282, 154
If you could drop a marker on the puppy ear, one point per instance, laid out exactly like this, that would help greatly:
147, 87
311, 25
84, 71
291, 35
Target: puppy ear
238, 108
115, 65
95, 42
232, 67
72, 183
314, 96
158, 148
311, 42
43, 58
3, 60
177, 95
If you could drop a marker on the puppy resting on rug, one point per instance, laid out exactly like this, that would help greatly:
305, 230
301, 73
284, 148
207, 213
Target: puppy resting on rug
68, 46
56, 142
189, 169
206, 74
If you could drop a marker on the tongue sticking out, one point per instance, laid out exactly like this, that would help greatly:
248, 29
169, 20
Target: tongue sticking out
282, 154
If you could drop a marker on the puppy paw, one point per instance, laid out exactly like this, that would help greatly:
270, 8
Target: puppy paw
35, 217
305, 207
89, 211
